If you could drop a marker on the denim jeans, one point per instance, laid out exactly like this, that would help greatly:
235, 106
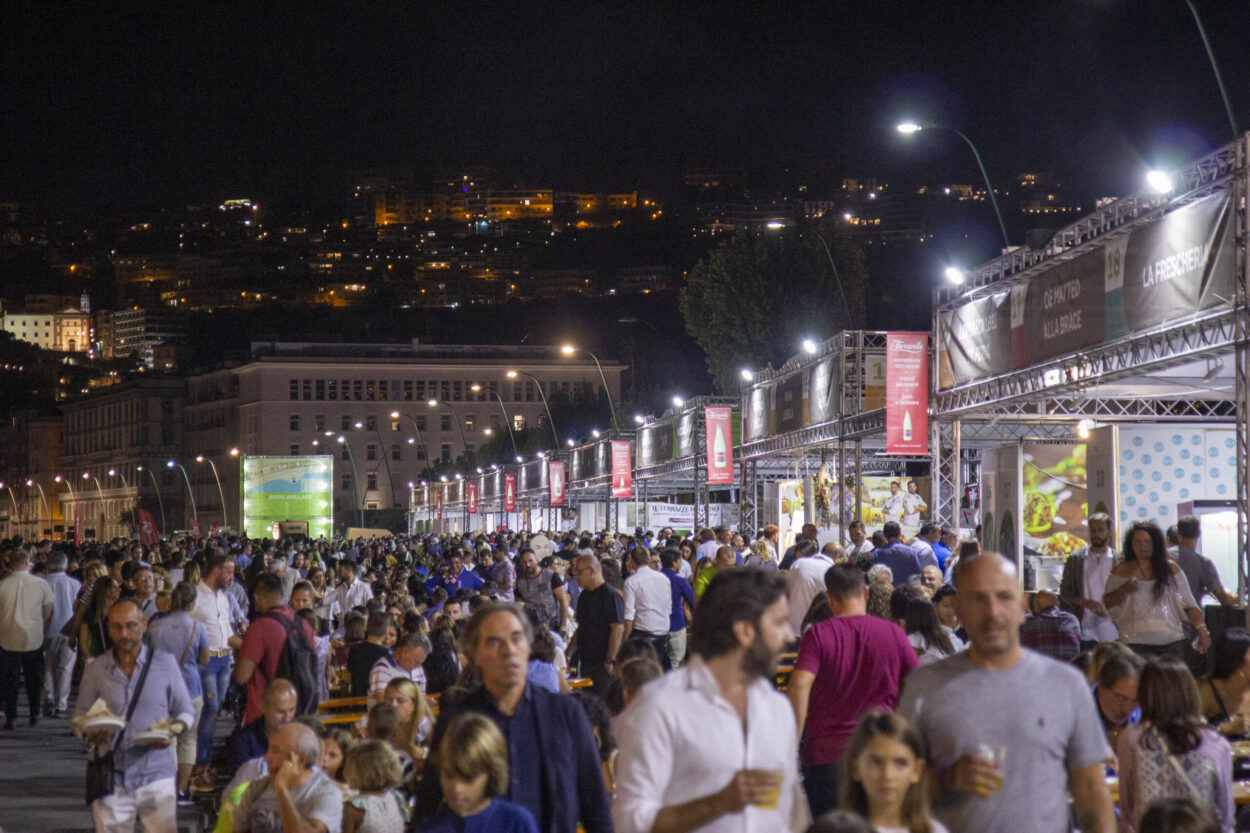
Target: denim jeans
216, 680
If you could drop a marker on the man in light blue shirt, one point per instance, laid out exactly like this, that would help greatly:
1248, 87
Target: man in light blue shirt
58, 655
143, 790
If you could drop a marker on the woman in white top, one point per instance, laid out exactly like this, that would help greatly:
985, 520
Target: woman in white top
1149, 598
925, 632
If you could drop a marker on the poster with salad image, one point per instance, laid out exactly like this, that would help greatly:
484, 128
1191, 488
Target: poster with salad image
1056, 510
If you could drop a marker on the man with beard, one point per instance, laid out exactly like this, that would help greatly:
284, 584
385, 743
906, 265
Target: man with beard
542, 590
996, 767
1084, 579
712, 745
553, 760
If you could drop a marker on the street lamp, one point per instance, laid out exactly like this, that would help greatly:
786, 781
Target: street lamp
476, 388
908, 128
99, 491
417, 428
570, 350
159, 501
195, 513
30, 481
678, 402
200, 458
434, 403
1159, 182
846, 306
3, 485
116, 473
512, 374
809, 347
360, 506
954, 275
747, 375
639, 419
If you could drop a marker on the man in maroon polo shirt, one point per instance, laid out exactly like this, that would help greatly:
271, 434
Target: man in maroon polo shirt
262, 643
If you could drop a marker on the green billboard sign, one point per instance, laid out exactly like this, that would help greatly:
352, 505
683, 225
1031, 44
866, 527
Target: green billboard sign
277, 489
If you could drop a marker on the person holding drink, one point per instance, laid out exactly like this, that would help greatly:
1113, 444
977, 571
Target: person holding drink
1007, 731
712, 746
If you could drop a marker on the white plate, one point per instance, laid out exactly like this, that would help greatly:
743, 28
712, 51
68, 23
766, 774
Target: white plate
97, 724
150, 737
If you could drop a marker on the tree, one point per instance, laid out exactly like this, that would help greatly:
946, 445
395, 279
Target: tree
751, 300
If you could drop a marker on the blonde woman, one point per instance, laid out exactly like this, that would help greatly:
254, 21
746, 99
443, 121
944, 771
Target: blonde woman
416, 721
761, 556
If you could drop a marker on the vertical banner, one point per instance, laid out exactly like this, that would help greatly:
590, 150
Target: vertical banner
718, 426
555, 482
622, 472
148, 536
907, 394
472, 498
195, 528
77, 524
439, 496
1102, 472
509, 493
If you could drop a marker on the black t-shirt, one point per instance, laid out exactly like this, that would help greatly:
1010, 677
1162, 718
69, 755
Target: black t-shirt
597, 611
360, 661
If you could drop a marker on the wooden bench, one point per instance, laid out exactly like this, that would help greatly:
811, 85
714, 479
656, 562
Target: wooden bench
337, 703
580, 682
341, 718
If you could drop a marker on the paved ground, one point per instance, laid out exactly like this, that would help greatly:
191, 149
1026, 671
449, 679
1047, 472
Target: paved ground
41, 778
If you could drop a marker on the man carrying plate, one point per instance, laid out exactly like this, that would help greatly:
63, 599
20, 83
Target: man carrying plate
133, 702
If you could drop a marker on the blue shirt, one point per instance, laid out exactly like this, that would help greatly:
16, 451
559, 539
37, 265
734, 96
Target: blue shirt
901, 559
180, 636
499, 817
682, 592
941, 552
544, 674
164, 695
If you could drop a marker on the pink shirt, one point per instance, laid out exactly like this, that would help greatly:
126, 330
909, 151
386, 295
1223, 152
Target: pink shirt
860, 663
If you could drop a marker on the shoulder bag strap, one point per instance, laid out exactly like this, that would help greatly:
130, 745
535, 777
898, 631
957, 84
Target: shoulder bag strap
1176, 765
1218, 698
134, 701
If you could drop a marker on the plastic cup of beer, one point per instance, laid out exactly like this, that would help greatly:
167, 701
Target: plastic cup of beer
996, 757
770, 799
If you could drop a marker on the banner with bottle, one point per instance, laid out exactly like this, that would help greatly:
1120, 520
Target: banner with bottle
195, 528
472, 498
148, 534
1177, 266
509, 493
718, 427
622, 473
555, 482
907, 394
440, 495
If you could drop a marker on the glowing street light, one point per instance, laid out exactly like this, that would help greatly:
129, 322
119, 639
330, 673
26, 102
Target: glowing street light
639, 419
909, 127
809, 347
954, 275
747, 375
678, 402
1159, 182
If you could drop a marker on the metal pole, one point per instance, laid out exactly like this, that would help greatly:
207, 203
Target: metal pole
360, 505
1219, 79
159, 501
846, 307
606, 389
194, 512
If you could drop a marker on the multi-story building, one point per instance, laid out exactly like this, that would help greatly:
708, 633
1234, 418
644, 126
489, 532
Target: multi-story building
116, 444
67, 331
298, 398
210, 446
30, 457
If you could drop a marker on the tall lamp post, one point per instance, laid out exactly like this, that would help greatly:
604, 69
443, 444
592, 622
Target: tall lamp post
570, 350
415, 427
100, 492
512, 374
159, 501
360, 506
476, 388
434, 403
846, 307
73, 501
908, 128
200, 458
195, 513
30, 481
386, 461
5, 486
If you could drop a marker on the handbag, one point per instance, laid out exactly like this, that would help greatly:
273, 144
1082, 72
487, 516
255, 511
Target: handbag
101, 769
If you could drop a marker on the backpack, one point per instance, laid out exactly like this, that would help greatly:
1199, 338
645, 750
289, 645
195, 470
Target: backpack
298, 663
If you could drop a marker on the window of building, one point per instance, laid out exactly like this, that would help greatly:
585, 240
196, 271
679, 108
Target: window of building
371, 452
320, 390
420, 452
420, 389
333, 390
371, 422
372, 504
295, 389
445, 387
457, 390
369, 395
294, 422
346, 422
294, 449
358, 390
308, 390
444, 422
394, 424
469, 449
469, 421
345, 482
407, 390
345, 453
518, 422
372, 480
319, 423
421, 422
397, 451
446, 452
516, 391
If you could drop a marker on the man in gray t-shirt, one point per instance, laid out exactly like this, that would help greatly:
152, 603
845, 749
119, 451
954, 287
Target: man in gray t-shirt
997, 700
292, 758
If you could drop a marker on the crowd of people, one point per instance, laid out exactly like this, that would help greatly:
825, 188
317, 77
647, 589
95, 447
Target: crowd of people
564, 682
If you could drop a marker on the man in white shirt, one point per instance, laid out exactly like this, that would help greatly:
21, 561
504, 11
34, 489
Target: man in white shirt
145, 589
59, 656
26, 605
1084, 579
892, 509
709, 543
712, 745
913, 504
805, 580
648, 603
404, 661
213, 607
861, 548
351, 592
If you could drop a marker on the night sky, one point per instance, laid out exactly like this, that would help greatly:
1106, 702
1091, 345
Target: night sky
276, 101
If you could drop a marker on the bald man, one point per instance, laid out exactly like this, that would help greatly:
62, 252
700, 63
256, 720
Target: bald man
1007, 731
250, 743
600, 623
297, 795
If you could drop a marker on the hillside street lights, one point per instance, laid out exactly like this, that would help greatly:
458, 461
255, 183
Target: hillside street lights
200, 458
908, 128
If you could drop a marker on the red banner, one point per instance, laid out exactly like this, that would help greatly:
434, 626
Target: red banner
77, 524
148, 535
472, 498
212, 530
195, 528
555, 482
907, 394
622, 469
719, 428
509, 493
439, 495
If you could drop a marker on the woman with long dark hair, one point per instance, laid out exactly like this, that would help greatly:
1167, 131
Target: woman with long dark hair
1172, 753
1148, 597
1222, 691
925, 632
